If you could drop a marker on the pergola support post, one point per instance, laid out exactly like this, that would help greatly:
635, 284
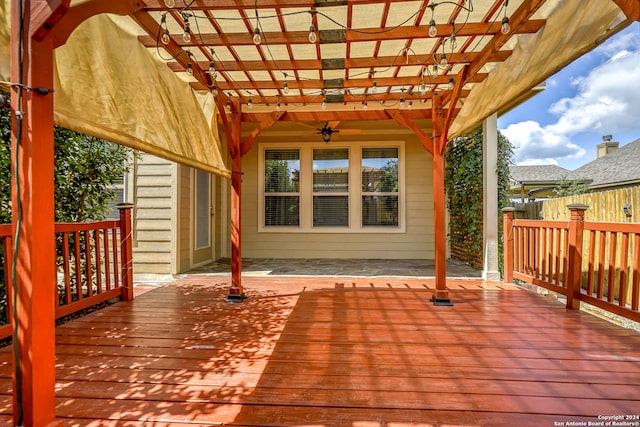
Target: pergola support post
236, 291
490, 213
126, 251
441, 295
33, 214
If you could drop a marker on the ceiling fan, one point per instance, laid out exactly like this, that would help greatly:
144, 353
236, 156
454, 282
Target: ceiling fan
329, 129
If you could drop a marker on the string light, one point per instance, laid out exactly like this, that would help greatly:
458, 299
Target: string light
433, 31
452, 39
257, 39
250, 103
435, 70
505, 28
450, 83
170, 3
324, 103
374, 87
443, 58
410, 105
165, 30
285, 88
190, 69
186, 35
401, 101
214, 89
312, 35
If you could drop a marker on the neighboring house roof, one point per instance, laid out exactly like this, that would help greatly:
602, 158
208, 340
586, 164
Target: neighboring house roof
621, 167
537, 175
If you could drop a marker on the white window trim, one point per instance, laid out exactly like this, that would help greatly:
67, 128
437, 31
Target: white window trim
355, 185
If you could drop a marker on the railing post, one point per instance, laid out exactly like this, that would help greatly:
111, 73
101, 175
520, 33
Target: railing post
126, 253
574, 262
507, 243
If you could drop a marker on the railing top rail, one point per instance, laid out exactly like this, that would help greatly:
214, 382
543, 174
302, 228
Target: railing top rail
6, 230
540, 223
622, 227
82, 226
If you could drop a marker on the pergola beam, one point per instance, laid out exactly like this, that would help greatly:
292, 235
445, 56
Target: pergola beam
362, 35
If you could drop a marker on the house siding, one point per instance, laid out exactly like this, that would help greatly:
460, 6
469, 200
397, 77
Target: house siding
416, 242
153, 216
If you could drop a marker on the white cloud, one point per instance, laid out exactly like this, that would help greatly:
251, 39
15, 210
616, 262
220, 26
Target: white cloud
535, 144
607, 101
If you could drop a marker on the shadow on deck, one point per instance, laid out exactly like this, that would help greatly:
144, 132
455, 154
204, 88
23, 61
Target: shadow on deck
308, 351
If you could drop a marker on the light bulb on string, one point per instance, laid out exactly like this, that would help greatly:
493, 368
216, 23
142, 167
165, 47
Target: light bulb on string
450, 85
365, 105
190, 69
250, 103
505, 28
285, 88
257, 39
278, 105
452, 39
170, 3
410, 106
433, 30
165, 37
435, 70
312, 35
443, 60
402, 101
212, 70
324, 103
214, 89
374, 87
186, 35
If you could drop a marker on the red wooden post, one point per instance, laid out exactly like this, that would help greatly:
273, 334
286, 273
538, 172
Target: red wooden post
236, 291
126, 251
507, 243
441, 296
33, 213
574, 263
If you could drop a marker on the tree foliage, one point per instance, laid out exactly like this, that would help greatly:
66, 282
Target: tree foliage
567, 187
464, 187
85, 170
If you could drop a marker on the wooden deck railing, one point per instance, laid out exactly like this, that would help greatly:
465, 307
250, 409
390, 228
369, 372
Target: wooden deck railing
94, 264
594, 262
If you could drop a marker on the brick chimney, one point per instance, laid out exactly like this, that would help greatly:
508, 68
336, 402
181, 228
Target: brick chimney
607, 146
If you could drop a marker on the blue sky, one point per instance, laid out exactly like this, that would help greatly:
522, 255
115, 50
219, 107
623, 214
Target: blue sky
596, 95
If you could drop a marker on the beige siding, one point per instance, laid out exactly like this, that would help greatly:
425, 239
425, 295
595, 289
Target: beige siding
415, 243
185, 212
153, 216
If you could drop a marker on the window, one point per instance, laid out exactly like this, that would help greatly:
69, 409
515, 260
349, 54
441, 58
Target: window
331, 189
380, 186
282, 187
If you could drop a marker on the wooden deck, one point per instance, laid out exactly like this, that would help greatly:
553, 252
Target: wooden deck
321, 352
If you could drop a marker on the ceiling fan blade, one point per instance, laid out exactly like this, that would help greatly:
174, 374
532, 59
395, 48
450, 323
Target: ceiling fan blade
333, 124
351, 131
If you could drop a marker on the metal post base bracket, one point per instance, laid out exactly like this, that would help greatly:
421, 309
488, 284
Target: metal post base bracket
237, 298
441, 301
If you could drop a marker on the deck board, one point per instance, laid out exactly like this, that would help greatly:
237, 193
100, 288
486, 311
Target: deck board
333, 352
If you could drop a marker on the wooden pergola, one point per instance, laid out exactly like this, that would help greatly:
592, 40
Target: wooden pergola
425, 65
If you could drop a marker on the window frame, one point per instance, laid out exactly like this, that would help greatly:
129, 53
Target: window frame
355, 193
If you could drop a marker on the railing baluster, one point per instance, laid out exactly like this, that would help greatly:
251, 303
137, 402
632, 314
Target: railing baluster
603, 241
76, 252
591, 261
87, 257
635, 293
96, 242
115, 246
557, 256
612, 267
107, 270
624, 263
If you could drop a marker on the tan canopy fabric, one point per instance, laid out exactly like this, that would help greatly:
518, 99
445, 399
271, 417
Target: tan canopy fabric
116, 81
109, 86
538, 56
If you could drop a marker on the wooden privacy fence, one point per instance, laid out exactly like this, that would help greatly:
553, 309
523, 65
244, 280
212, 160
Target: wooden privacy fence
94, 264
594, 262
